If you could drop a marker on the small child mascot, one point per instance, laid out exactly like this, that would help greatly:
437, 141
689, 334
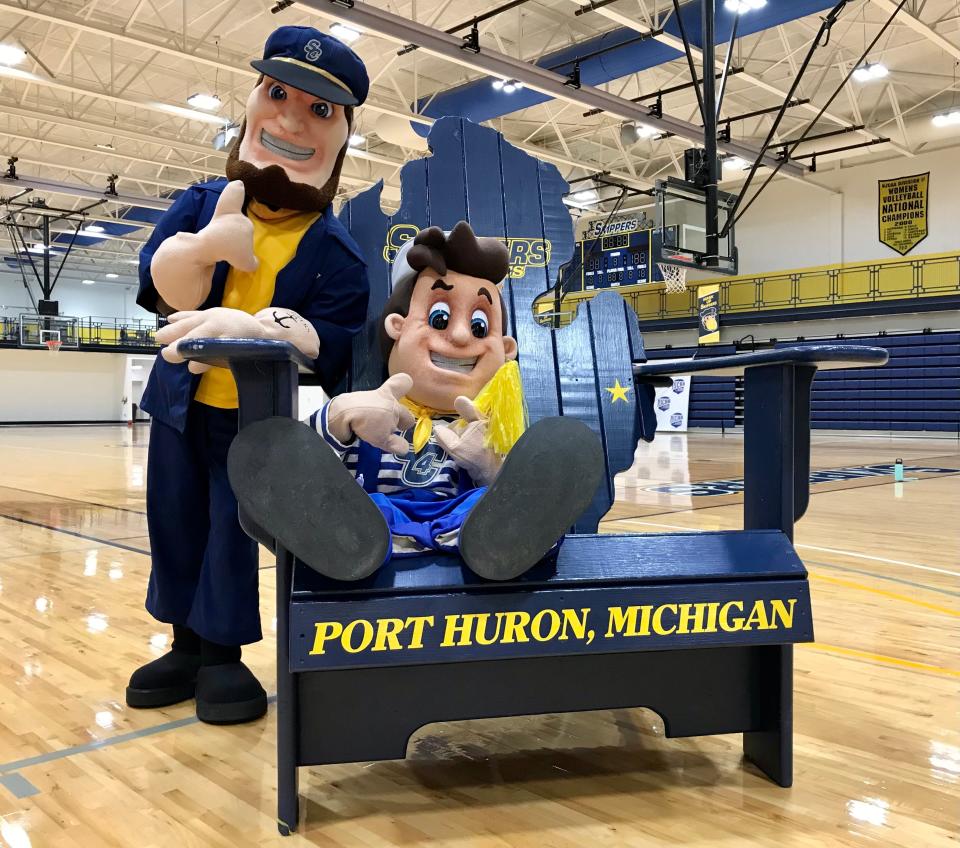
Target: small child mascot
440, 450
261, 256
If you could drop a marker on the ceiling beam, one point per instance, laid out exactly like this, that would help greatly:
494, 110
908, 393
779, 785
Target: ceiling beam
918, 26
141, 42
669, 40
73, 190
438, 43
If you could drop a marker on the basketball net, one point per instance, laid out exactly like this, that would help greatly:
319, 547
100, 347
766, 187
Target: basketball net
53, 345
674, 276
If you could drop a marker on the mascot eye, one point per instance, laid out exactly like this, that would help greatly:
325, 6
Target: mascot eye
478, 324
322, 109
439, 316
277, 92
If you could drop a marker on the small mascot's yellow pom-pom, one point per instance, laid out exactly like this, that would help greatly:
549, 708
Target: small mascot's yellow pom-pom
501, 403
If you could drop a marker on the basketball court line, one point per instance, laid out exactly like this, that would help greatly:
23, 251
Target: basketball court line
11, 778
74, 500
886, 577
883, 659
112, 544
894, 595
817, 548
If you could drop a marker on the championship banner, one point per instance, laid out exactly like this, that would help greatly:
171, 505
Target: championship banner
709, 300
902, 211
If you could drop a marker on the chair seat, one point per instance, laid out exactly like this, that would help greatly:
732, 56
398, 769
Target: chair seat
583, 560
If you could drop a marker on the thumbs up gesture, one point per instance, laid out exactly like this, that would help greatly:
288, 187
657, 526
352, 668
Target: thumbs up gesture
229, 235
373, 416
182, 266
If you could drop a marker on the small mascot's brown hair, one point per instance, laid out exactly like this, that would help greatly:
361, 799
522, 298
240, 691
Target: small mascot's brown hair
461, 251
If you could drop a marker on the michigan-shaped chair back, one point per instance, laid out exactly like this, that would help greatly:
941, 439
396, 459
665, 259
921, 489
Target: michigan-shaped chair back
583, 369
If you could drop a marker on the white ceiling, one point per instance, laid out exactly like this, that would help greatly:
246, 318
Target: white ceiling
105, 72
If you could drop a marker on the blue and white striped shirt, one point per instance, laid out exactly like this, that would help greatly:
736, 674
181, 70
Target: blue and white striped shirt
431, 469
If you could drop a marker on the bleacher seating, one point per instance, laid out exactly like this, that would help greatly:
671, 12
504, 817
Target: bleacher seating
919, 390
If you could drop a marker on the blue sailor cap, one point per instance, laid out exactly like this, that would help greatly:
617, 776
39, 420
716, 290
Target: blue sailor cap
314, 62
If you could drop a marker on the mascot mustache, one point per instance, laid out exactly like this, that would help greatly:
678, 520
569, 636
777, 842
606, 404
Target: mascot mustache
273, 187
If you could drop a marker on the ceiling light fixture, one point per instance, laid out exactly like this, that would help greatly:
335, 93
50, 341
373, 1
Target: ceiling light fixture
207, 102
111, 276
356, 140
947, 119
93, 229
105, 146
344, 33
870, 71
10, 54
741, 6
88, 282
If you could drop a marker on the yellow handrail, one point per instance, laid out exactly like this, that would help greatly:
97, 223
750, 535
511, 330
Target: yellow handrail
930, 275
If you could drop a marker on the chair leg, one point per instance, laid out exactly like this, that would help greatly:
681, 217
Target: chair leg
771, 748
288, 706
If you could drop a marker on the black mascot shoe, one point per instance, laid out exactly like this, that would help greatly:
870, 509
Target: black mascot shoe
168, 680
229, 694
294, 486
547, 480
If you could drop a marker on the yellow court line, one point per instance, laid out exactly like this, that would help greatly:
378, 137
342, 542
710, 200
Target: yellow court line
905, 598
881, 658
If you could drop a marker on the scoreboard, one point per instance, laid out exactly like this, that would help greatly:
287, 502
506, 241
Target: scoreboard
612, 256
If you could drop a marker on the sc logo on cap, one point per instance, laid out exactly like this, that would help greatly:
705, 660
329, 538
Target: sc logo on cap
313, 50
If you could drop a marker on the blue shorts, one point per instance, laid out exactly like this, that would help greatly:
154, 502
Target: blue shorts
420, 523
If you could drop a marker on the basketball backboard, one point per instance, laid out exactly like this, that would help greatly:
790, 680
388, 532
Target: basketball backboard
681, 228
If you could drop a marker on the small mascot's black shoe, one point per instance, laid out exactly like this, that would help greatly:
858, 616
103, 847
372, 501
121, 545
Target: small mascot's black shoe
170, 679
296, 488
547, 480
229, 694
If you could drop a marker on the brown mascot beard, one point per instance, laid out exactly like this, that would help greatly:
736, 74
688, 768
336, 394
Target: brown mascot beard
273, 187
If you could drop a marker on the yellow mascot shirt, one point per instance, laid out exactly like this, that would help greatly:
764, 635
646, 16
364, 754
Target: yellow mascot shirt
276, 236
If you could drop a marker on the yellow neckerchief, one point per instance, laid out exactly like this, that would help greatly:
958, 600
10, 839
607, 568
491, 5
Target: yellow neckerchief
500, 402
423, 429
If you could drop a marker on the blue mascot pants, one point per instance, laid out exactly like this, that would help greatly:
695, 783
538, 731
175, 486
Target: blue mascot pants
204, 567
424, 520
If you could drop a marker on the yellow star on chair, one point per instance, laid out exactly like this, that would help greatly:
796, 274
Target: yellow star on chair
618, 392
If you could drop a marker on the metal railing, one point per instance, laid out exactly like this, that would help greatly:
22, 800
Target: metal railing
933, 275
91, 332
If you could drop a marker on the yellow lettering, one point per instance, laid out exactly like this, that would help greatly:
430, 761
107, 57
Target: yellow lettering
346, 640
690, 614
758, 617
460, 631
658, 620
481, 629
619, 620
725, 623
387, 630
325, 630
711, 625
536, 630
783, 613
418, 622
577, 624
514, 623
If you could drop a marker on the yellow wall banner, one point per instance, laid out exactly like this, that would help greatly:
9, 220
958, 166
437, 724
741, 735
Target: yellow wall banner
709, 300
902, 211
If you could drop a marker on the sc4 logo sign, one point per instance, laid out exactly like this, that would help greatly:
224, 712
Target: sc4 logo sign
524, 252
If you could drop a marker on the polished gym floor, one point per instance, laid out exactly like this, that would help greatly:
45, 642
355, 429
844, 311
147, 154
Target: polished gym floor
877, 703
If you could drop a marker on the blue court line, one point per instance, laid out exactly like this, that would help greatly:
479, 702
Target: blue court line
18, 785
50, 756
75, 533
883, 577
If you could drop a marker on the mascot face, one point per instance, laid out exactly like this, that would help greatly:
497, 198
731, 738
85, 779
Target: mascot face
451, 341
302, 134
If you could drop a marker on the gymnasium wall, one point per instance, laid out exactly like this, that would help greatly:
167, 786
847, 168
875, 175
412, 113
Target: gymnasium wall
793, 225
106, 299
37, 386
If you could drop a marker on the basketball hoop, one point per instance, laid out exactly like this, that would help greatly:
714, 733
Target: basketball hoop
674, 276
53, 345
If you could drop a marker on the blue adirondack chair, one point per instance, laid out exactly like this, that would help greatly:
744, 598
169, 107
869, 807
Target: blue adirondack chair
621, 620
